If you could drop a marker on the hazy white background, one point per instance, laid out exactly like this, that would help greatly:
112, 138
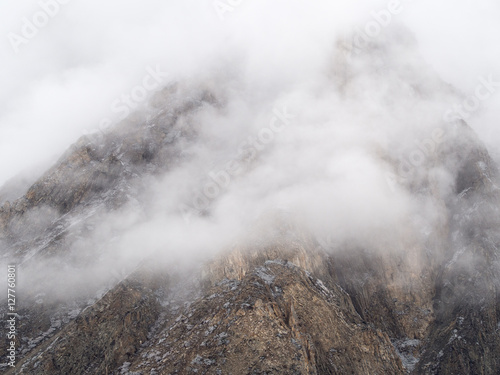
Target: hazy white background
65, 79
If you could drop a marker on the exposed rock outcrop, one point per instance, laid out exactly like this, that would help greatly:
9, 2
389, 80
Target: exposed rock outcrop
278, 302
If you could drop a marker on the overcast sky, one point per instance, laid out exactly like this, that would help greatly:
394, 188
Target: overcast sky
63, 69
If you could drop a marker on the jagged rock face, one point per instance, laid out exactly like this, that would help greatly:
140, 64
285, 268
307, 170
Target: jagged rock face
276, 304
257, 312
102, 337
277, 318
101, 169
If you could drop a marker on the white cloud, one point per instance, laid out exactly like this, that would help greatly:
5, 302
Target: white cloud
329, 165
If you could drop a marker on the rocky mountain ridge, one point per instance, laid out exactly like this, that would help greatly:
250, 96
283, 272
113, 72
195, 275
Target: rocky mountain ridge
282, 301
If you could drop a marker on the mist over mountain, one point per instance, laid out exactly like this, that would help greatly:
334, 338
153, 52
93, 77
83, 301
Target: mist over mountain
251, 188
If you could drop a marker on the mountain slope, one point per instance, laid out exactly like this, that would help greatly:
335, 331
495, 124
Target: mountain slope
422, 298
